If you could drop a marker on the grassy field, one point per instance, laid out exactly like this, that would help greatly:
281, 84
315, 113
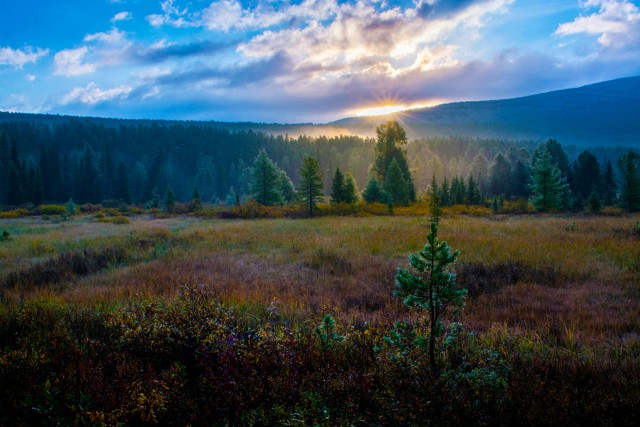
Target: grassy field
556, 298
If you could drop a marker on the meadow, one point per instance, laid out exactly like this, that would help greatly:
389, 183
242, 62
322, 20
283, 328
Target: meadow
189, 320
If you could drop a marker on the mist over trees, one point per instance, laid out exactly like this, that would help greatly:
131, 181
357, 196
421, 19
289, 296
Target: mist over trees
90, 162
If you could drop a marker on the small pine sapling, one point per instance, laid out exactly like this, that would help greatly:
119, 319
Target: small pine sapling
326, 333
430, 286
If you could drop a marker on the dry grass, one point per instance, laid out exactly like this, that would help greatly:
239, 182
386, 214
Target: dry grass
543, 274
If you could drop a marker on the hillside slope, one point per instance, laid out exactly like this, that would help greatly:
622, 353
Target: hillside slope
606, 113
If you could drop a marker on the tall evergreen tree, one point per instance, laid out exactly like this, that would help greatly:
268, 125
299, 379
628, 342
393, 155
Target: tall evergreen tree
337, 187
286, 187
548, 185
445, 195
265, 183
585, 174
391, 137
350, 189
629, 165
609, 186
395, 185
169, 203
500, 175
310, 186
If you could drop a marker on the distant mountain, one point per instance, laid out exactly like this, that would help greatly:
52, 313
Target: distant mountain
606, 113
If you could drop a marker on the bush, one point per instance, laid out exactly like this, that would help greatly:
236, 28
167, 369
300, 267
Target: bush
52, 209
120, 219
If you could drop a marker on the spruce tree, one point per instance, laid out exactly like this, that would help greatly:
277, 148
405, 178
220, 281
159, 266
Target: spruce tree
265, 183
310, 186
394, 184
445, 197
337, 187
373, 192
350, 189
196, 202
121, 187
548, 185
390, 139
286, 187
609, 186
629, 165
169, 203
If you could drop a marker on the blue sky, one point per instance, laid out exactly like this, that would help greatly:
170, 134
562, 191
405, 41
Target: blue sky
301, 60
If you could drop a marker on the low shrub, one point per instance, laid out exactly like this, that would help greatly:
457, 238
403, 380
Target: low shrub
52, 209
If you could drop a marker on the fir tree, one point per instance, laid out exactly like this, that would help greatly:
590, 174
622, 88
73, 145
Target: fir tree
609, 186
232, 198
548, 185
445, 198
390, 139
350, 189
373, 192
169, 203
265, 182
394, 184
286, 187
71, 207
337, 187
594, 202
310, 186
629, 165
196, 202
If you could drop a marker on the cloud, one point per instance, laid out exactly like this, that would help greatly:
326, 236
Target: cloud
91, 94
69, 62
172, 16
122, 16
615, 22
113, 37
30, 77
17, 58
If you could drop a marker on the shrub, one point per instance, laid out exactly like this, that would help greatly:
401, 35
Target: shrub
52, 209
120, 219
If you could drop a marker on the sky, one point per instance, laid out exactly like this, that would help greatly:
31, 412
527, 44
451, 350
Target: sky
302, 61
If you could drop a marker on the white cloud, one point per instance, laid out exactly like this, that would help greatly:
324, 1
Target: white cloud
17, 58
91, 94
122, 16
69, 62
172, 16
30, 77
113, 37
616, 22
224, 15
362, 39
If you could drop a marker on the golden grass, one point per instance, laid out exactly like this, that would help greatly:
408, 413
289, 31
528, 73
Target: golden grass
347, 265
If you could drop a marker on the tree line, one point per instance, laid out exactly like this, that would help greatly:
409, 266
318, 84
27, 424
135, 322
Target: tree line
139, 164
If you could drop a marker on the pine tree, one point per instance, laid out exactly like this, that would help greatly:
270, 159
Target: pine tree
286, 187
350, 189
548, 185
609, 186
394, 184
337, 187
445, 197
265, 182
500, 175
430, 286
196, 202
169, 203
391, 138
585, 174
629, 165
310, 186
373, 192
594, 202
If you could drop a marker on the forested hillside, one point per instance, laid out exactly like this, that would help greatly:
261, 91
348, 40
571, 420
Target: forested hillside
52, 159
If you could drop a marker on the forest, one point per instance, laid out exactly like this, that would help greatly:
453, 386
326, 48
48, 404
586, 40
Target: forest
113, 163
